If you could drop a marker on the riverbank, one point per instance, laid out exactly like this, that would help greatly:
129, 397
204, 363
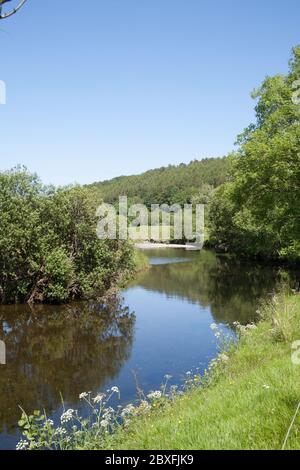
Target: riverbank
249, 400
151, 246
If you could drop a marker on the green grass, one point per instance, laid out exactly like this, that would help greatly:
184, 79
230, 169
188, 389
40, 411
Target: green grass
248, 403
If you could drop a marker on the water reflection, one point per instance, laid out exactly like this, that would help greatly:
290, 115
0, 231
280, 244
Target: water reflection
53, 350
82, 347
231, 288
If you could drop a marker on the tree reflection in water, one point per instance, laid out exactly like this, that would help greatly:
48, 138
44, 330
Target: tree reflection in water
231, 288
60, 349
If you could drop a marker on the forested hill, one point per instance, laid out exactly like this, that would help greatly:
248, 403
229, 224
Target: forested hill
168, 185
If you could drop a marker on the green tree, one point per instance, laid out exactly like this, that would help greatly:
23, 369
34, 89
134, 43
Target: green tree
258, 212
49, 250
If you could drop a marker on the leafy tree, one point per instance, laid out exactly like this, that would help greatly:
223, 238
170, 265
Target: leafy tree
258, 211
49, 250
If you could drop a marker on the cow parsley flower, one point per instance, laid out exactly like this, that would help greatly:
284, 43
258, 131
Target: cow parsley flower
154, 395
104, 423
128, 410
60, 431
99, 398
22, 445
67, 416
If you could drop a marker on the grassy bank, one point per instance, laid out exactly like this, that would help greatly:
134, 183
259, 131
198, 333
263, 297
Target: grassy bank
247, 400
248, 403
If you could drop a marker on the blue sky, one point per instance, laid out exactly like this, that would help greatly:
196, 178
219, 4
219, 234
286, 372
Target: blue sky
110, 87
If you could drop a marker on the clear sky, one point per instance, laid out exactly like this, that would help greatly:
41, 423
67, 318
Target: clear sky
100, 88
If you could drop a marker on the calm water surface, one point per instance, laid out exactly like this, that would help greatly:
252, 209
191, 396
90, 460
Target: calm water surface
160, 326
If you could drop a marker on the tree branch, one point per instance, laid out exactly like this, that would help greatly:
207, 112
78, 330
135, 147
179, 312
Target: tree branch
7, 15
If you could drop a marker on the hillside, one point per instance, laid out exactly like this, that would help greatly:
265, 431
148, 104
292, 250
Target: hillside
168, 185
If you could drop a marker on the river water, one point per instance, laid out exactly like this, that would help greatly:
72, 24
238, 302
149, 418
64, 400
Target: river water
160, 326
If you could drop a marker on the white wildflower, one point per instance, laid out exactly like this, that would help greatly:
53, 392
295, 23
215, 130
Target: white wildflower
67, 416
154, 395
22, 445
104, 423
60, 431
108, 413
115, 390
213, 326
99, 398
266, 387
127, 411
223, 357
83, 395
144, 406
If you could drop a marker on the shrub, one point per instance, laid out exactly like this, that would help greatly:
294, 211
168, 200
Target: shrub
49, 250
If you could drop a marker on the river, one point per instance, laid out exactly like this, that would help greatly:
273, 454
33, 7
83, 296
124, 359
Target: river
161, 325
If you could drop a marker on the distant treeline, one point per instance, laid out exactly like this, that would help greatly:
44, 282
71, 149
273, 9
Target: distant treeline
185, 183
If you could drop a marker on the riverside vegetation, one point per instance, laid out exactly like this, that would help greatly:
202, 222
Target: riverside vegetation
49, 250
246, 400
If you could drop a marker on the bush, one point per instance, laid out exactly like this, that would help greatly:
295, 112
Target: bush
49, 250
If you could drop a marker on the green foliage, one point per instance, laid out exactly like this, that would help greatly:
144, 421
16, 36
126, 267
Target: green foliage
167, 185
257, 212
59, 272
49, 251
